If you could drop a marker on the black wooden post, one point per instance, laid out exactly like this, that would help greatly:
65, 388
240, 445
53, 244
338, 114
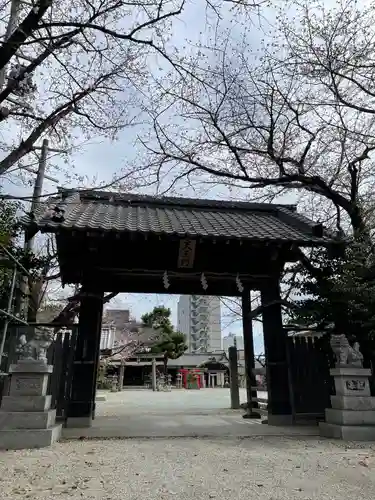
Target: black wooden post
82, 400
275, 344
233, 372
248, 341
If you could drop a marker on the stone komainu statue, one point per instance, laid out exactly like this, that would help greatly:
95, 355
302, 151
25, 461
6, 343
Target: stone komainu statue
36, 347
344, 353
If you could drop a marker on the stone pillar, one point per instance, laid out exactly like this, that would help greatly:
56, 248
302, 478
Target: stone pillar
275, 345
86, 359
179, 381
248, 341
153, 374
26, 420
233, 370
352, 416
121, 377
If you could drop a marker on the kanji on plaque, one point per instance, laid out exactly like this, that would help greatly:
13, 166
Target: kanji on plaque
186, 253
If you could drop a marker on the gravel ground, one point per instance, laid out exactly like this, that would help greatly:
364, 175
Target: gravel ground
262, 468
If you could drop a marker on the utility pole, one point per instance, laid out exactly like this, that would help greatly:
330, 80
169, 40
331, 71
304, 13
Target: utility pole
37, 192
22, 304
38, 186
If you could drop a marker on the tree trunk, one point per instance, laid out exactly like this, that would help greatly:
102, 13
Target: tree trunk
357, 222
166, 365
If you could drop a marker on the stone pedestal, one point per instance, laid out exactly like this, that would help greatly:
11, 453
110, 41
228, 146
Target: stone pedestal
26, 420
352, 416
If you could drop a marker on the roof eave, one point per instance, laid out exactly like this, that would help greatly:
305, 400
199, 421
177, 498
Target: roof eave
47, 228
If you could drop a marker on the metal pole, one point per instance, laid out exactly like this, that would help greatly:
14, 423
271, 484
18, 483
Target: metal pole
9, 310
13, 16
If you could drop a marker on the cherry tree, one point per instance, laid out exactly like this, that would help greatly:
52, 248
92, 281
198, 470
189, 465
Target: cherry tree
291, 116
74, 69
131, 342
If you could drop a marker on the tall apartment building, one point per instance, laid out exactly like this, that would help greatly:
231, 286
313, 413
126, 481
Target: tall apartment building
199, 318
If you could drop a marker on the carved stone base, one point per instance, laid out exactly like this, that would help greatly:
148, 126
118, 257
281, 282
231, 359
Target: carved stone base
29, 378
26, 420
351, 381
352, 416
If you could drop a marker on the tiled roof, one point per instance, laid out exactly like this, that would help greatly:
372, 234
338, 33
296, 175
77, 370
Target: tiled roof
112, 212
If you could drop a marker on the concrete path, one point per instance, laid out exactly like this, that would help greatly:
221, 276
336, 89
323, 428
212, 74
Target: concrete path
180, 413
130, 402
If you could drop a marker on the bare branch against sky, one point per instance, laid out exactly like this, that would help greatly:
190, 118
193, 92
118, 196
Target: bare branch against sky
292, 115
81, 68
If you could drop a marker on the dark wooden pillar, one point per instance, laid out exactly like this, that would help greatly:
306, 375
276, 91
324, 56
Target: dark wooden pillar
85, 366
248, 341
275, 345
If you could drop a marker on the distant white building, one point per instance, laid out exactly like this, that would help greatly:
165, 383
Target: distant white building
230, 340
107, 337
116, 327
199, 318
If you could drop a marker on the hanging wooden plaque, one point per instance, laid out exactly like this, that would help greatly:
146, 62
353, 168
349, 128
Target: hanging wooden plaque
186, 254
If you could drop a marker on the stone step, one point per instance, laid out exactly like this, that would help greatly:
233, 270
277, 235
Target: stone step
27, 420
347, 432
26, 403
353, 403
350, 417
18, 439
